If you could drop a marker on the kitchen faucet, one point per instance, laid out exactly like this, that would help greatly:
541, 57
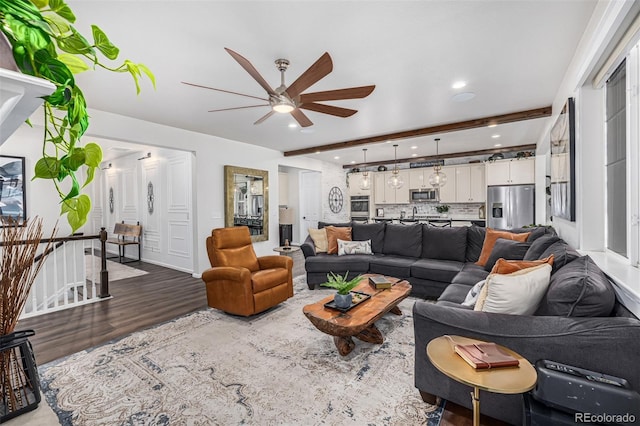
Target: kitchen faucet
415, 210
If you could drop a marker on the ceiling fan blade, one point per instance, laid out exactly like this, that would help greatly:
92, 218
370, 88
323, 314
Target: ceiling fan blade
244, 63
329, 109
312, 75
242, 107
264, 117
224, 91
302, 119
336, 95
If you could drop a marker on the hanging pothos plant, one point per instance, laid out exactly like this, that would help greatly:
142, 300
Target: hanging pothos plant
45, 44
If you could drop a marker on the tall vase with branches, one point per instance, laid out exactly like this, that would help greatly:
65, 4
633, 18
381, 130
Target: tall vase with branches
19, 268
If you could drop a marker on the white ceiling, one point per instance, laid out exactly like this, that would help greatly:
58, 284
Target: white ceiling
512, 54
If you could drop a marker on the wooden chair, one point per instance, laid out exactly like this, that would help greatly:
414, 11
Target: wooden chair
239, 282
126, 235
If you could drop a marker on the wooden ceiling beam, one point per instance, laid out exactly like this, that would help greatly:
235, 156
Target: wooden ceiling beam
530, 147
441, 128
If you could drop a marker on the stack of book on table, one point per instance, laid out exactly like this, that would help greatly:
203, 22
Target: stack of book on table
485, 355
380, 282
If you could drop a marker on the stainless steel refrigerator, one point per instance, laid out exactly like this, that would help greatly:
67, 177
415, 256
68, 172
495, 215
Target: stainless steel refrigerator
510, 206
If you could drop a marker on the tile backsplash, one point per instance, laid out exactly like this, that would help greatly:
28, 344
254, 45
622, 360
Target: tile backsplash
457, 210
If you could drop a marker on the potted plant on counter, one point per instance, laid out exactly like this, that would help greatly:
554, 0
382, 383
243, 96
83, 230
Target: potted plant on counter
343, 286
442, 209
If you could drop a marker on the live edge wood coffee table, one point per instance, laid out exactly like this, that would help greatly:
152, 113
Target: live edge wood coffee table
359, 321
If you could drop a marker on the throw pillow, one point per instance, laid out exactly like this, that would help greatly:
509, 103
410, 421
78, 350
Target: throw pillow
562, 254
354, 247
448, 243
504, 266
319, 237
518, 293
540, 245
506, 249
490, 239
472, 296
333, 234
579, 289
369, 231
475, 240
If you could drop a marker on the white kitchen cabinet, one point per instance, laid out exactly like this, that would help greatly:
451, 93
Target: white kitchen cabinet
448, 191
470, 183
384, 194
511, 172
355, 179
418, 180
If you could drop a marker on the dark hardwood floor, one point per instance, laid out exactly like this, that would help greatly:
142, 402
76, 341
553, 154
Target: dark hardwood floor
141, 302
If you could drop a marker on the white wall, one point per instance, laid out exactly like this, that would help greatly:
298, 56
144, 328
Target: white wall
211, 154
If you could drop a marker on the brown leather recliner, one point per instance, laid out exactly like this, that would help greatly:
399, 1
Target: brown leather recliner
239, 282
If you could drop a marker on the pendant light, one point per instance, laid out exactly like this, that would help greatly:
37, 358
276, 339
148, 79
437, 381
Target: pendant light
395, 180
437, 179
365, 183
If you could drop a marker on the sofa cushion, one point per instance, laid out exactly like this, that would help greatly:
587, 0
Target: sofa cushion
353, 247
268, 278
436, 270
326, 263
578, 289
335, 233
534, 232
506, 249
319, 237
403, 240
518, 293
504, 266
390, 265
562, 254
369, 231
475, 240
470, 274
490, 239
337, 225
454, 293
539, 246
447, 243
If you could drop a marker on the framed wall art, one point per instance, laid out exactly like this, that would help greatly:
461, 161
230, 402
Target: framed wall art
13, 197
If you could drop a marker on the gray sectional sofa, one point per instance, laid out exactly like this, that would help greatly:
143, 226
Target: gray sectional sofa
579, 322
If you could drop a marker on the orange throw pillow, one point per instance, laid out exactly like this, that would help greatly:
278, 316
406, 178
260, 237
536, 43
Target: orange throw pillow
335, 233
503, 266
490, 240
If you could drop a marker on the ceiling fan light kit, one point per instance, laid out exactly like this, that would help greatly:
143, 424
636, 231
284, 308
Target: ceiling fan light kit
395, 180
290, 99
365, 183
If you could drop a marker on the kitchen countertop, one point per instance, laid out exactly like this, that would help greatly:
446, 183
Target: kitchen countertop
426, 218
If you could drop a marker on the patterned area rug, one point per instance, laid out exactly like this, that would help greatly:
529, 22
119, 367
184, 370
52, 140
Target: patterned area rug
210, 368
117, 271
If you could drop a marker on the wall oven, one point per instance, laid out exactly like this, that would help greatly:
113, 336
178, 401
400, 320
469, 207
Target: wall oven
423, 195
360, 206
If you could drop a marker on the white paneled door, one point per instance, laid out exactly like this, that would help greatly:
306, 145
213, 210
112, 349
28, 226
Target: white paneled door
310, 201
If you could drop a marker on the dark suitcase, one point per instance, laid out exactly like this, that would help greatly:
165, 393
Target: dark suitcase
586, 396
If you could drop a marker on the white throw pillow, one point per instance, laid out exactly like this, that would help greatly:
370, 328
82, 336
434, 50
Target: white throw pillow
354, 247
518, 293
472, 296
319, 237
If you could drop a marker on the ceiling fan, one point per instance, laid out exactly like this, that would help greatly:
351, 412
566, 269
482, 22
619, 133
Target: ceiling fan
290, 99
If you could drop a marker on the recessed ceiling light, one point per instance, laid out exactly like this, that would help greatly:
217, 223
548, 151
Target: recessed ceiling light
498, 145
336, 157
463, 97
458, 84
414, 155
388, 142
293, 125
495, 136
317, 152
353, 161
414, 147
492, 125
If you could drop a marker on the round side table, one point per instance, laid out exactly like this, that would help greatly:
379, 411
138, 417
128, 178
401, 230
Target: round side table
287, 251
510, 380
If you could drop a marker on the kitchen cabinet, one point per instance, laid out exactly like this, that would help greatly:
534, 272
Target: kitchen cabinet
384, 194
448, 191
511, 172
355, 180
470, 184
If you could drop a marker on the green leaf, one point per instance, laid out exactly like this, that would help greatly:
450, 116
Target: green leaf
24, 9
40, 4
23, 59
75, 43
75, 189
135, 72
149, 74
90, 173
61, 8
93, 154
79, 214
68, 206
47, 168
77, 112
75, 64
103, 44
32, 37
58, 26
52, 69
60, 97
74, 159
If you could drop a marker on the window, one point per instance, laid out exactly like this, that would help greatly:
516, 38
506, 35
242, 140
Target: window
616, 161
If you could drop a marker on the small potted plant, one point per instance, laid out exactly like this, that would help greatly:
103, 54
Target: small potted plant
442, 209
343, 297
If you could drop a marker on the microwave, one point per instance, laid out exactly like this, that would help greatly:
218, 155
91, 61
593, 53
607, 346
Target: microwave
423, 195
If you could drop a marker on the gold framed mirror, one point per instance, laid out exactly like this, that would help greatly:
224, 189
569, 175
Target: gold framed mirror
246, 200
